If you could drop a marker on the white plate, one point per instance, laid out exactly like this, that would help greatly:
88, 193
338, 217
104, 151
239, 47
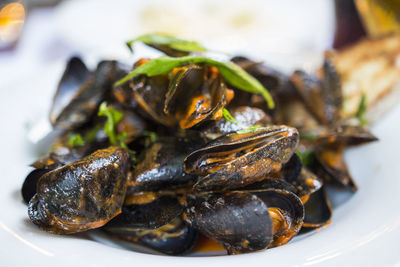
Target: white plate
365, 229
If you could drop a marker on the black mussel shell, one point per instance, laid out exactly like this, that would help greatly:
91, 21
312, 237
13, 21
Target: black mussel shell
28, 189
239, 221
149, 93
271, 78
175, 238
292, 169
300, 177
331, 166
347, 135
318, 211
160, 167
81, 195
149, 215
286, 211
75, 74
269, 183
238, 159
76, 107
322, 97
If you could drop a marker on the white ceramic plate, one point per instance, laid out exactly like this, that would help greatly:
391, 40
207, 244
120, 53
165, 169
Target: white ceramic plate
365, 228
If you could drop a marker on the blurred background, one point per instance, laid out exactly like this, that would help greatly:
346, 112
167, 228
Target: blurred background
287, 34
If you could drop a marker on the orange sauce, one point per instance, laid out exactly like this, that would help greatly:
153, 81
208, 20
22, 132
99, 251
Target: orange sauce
205, 244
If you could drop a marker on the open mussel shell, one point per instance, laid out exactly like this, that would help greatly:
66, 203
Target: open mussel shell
330, 165
75, 74
81, 195
318, 211
149, 93
239, 159
275, 81
323, 97
28, 189
78, 96
286, 211
347, 135
174, 238
301, 177
42, 166
160, 167
196, 94
150, 215
239, 221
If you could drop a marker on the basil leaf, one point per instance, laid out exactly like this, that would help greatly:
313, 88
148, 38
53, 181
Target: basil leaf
251, 129
75, 140
113, 117
228, 117
231, 72
167, 40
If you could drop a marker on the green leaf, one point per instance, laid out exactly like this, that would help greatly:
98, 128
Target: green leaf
113, 118
251, 129
307, 157
152, 135
228, 117
311, 136
362, 109
167, 40
231, 72
75, 140
90, 136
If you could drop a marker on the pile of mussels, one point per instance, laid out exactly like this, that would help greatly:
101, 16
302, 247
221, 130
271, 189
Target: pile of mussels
160, 159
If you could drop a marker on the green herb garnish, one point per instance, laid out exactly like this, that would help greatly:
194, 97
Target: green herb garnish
232, 73
245, 129
113, 118
307, 157
228, 117
163, 39
75, 140
251, 129
311, 136
362, 109
153, 137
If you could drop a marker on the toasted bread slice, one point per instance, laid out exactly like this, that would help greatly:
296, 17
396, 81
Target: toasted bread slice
370, 67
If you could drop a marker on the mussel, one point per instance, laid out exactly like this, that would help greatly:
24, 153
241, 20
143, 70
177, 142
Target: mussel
234, 159
174, 238
81, 195
247, 220
80, 92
